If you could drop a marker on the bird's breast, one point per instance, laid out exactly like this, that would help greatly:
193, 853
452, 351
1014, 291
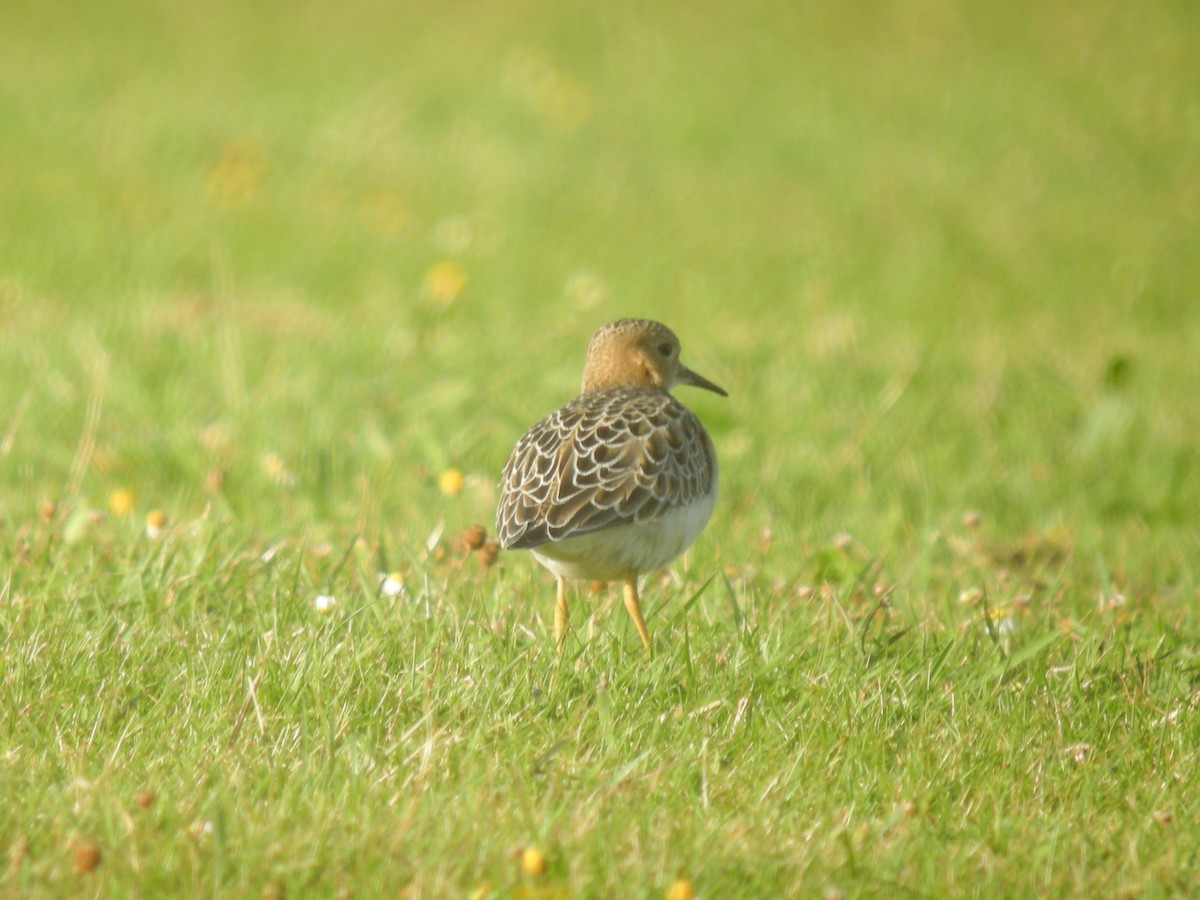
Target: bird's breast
631, 548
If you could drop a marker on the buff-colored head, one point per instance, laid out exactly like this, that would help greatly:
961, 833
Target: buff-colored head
638, 353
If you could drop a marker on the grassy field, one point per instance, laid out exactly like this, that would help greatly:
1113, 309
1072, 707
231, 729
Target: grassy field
273, 275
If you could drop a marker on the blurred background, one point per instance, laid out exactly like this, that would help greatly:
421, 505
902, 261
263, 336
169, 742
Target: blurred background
289, 263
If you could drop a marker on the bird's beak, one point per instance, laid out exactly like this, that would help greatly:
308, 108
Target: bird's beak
687, 376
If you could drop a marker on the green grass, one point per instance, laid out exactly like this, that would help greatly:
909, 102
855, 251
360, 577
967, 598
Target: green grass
942, 635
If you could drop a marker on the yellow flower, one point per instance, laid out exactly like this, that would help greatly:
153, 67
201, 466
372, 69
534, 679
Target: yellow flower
121, 501
444, 282
680, 889
156, 520
533, 862
451, 482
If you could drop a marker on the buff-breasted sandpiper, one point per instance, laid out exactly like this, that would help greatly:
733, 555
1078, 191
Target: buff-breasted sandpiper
620, 480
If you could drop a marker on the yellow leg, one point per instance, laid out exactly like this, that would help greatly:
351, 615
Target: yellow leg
635, 609
560, 614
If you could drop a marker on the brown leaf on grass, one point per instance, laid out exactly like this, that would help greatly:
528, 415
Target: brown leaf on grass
85, 856
473, 536
488, 552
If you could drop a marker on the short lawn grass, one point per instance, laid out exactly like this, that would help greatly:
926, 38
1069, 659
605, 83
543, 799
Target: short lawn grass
280, 285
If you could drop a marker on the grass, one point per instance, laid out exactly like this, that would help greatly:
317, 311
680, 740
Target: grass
273, 272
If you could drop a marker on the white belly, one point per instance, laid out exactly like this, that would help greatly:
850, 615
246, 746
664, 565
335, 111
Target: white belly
622, 551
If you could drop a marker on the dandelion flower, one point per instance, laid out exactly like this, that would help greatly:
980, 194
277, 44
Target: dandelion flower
680, 889
121, 501
450, 482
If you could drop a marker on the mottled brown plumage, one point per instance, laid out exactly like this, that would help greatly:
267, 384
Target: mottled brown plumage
606, 458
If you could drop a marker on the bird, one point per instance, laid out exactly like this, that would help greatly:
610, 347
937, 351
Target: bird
618, 481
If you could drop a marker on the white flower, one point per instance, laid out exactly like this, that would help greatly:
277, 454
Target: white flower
324, 604
391, 584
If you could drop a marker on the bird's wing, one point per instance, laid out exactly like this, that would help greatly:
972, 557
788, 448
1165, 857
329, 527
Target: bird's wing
603, 459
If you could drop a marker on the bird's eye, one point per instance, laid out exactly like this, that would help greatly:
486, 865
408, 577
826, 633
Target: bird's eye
665, 349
